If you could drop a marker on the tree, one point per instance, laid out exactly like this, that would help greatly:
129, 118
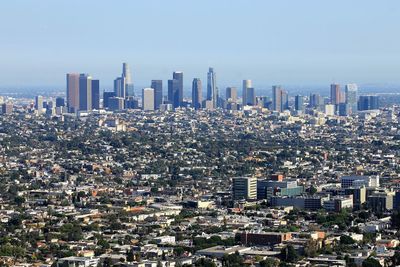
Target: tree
289, 254
396, 258
371, 262
269, 262
346, 240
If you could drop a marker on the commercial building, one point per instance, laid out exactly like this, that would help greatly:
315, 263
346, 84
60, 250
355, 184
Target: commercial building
244, 188
158, 92
264, 238
148, 99
85, 92
196, 93
73, 92
212, 89
358, 181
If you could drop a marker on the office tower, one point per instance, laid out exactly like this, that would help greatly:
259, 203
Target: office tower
158, 93
299, 103
316, 101
106, 97
262, 101
119, 87
39, 103
116, 103
178, 91
330, 109
7, 108
196, 93
60, 102
344, 109
126, 73
96, 94
212, 90
280, 99
72, 92
250, 99
374, 102
335, 94
172, 86
231, 94
148, 99
351, 91
246, 84
244, 188
131, 103
368, 102
277, 98
85, 92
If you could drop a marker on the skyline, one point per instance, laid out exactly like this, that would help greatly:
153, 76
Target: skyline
352, 42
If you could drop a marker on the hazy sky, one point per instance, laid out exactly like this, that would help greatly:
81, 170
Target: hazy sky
271, 42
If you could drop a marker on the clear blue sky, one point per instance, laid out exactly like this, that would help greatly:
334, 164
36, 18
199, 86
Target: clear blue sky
278, 41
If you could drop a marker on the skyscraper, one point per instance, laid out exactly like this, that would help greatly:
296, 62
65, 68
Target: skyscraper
316, 101
126, 73
246, 84
96, 94
196, 93
120, 87
158, 92
299, 103
173, 97
212, 90
85, 92
351, 91
250, 96
148, 99
39, 103
60, 102
178, 95
280, 99
231, 94
368, 102
335, 94
106, 98
73, 92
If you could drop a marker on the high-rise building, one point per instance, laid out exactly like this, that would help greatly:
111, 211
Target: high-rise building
158, 93
368, 102
73, 92
148, 99
116, 103
299, 103
212, 90
351, 91
316, 101
250, 97
85, 92
60, 102
126, 73
7, 108
231, 94
39, 103
120, 87
344, 109
96, 94
178, 91
246, 84
336, 95
244, 188
173, 94
106, 97
280, 99
196, 93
